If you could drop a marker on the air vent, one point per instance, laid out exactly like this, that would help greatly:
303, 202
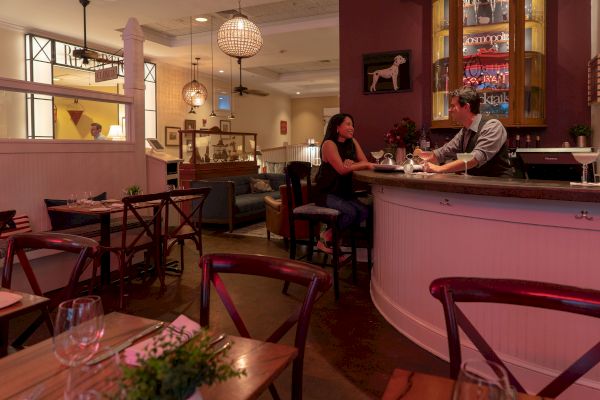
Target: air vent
227, 13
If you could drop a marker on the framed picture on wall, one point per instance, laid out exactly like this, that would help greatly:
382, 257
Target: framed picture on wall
225, 125
189, 124
171, 135
386, 72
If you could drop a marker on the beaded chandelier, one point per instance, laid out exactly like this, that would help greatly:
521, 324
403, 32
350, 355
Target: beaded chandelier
194, 93
239, 37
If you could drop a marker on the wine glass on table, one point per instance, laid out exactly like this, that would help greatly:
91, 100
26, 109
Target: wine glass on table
78, 327
377, 155
585, 159
482, 380
465, 157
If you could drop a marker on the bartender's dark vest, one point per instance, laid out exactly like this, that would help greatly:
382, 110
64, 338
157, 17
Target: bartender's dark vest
498, 166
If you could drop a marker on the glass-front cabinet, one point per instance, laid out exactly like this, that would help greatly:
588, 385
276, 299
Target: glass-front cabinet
495, 46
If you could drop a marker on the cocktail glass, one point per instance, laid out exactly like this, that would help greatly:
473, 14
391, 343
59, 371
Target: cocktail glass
465, 157
377, 155
585, 159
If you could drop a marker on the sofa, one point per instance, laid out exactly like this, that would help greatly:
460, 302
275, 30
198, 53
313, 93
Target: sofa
232, 199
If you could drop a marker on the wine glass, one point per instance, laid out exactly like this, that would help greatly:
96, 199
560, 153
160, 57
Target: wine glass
465, 157
77, 331
482, 380
377, 155
584, 159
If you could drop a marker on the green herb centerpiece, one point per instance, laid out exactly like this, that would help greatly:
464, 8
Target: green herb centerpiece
133, 190
174, 366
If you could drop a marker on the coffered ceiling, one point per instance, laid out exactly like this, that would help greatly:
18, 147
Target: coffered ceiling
301, 39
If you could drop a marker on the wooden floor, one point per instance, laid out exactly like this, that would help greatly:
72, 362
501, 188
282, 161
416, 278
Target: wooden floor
351, 349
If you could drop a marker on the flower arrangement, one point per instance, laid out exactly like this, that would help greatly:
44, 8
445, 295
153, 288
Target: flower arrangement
403, 134
175, 366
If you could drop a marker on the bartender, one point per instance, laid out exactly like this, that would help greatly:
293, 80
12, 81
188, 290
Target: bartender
484, 137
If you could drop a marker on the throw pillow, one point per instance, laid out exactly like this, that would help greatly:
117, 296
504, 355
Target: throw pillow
260, 185
66, 220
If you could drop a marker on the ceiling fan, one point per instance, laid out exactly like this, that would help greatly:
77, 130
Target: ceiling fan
84, 53
242, 90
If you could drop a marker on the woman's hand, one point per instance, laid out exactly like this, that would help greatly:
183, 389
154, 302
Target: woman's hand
348, 163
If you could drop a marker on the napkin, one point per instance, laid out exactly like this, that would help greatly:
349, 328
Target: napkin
100, 209
182, 322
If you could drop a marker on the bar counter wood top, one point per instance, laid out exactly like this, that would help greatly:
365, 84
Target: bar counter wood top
483, 186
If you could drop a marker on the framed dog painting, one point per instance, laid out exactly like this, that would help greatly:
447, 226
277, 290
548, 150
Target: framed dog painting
386, 72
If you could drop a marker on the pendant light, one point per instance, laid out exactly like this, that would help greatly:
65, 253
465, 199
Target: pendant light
231, 115
212, 71
239, 37
194, 93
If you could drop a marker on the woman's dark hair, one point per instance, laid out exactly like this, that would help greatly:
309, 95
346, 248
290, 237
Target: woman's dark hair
331, 133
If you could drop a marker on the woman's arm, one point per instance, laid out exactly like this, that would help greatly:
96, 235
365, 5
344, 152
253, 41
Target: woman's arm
329, 153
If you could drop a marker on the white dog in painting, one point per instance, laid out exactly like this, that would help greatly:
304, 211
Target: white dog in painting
387, 73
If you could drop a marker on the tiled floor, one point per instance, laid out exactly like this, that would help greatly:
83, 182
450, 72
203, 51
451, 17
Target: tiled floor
351, 349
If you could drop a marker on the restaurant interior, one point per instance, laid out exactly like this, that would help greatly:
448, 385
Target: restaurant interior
194, 206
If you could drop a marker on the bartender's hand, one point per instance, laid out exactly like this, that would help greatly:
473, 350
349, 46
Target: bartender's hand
431, 167
425, 155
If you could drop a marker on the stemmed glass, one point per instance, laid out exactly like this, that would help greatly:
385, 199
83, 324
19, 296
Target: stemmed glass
465, 157
377, 155
584, 159
78, 328
482, 380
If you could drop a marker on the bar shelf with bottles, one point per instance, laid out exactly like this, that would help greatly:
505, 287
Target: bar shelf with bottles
496, 48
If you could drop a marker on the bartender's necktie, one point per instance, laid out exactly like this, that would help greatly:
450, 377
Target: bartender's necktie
466, 138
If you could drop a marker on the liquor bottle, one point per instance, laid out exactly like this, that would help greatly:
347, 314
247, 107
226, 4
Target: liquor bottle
517, 141
538, 142
527, 140
424, 142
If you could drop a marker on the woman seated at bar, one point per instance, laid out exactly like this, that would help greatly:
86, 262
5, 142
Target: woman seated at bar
340, 156
484, 138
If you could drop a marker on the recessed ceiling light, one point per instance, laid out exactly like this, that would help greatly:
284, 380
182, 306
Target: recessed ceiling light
297, 92
201, 19
221, 71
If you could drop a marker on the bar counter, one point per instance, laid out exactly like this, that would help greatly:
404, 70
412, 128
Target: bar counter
430, 226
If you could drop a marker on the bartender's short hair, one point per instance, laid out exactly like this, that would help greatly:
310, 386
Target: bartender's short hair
467, 95
97, 125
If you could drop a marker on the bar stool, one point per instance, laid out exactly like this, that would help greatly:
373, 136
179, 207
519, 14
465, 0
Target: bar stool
295, 173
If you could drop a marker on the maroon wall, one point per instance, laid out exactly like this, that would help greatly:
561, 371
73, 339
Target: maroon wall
388, 25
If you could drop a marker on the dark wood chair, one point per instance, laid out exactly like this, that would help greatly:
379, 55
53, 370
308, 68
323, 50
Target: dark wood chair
190, 220
297, 172
314, 279
450, 291
88, 251
146, 236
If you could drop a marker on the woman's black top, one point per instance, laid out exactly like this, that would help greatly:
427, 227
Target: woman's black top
329, 181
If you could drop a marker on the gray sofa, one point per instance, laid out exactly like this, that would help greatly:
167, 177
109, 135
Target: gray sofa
231, 201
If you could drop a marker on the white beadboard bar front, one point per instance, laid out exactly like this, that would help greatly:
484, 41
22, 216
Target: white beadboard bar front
423, 234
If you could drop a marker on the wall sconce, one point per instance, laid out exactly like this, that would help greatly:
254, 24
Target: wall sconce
115, 133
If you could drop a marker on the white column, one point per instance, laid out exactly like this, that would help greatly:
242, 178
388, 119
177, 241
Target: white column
133, 50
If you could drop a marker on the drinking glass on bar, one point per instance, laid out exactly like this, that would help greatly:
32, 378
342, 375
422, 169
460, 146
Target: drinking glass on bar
482, 380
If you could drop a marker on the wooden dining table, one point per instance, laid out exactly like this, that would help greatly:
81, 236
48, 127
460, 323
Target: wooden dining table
28, 303
104, 210
36, 372
409, 385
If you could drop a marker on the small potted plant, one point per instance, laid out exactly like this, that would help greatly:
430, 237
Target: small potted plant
175, 366
580, 132
132, 190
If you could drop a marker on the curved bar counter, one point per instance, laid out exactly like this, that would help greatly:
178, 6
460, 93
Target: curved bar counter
430, 226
